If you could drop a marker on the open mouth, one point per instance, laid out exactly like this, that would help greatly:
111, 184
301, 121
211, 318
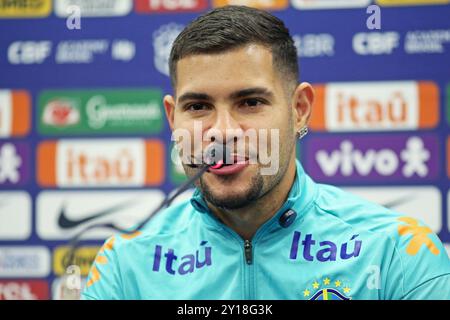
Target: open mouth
232, 160
237, 164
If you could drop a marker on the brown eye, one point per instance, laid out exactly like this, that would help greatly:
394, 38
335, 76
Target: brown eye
252, 103
196, 107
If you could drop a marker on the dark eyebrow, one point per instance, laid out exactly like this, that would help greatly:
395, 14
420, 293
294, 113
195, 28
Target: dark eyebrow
235, 95
194, 96
251, 91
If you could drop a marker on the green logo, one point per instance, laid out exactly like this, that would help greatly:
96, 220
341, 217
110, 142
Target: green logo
100, 111
177, 173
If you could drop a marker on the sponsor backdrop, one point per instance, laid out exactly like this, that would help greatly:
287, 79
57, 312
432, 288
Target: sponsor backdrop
83, 137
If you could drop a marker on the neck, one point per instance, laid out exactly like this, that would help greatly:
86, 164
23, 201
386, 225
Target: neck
247, 220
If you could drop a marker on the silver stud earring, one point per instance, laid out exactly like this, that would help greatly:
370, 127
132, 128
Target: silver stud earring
302, 132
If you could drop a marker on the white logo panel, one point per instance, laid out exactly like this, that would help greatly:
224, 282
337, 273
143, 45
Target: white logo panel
423, 203
15, 215
376, 106
101, 163
94, 8
329, 4
24, 262
5, 113
61, 215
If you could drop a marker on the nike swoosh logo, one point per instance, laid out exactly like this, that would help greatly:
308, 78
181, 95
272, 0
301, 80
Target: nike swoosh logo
66, 223
396, 202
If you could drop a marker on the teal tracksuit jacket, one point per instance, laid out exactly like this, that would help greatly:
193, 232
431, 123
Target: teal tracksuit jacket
322, 244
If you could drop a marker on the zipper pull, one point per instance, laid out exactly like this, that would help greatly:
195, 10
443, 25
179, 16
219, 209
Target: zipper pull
248, 251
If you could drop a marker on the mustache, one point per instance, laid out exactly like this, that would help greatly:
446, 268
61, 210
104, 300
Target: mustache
215, 152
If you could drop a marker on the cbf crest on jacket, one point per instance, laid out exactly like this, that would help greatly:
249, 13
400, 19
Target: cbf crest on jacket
322, 244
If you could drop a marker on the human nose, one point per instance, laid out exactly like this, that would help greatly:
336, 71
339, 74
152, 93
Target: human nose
224, 128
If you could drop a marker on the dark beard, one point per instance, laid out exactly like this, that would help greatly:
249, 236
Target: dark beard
236, 202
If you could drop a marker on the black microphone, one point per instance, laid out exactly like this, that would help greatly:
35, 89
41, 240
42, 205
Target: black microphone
217, 155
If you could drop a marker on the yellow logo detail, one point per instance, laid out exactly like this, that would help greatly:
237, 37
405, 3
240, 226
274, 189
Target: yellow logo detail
101, 259
25, 9
306, 293
324, 290
419, 236
130, 236
83, 258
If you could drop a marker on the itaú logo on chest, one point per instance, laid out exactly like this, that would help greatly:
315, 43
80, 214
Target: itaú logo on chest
186, 264
323, 251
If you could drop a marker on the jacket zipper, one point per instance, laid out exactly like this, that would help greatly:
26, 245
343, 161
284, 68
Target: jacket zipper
248, 251
249, 270
249, 267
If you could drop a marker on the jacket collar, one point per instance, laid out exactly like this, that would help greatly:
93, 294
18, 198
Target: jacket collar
300, 199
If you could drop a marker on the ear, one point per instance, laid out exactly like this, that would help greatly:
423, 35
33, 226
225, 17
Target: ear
302, 102
169, 107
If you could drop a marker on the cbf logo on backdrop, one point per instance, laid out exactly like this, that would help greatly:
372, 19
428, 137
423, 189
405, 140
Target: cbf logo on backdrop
163, 39
373, 158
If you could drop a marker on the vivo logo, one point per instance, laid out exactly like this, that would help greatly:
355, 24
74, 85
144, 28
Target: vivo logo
396, 157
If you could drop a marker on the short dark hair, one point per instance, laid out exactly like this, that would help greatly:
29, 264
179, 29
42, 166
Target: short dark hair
231, 27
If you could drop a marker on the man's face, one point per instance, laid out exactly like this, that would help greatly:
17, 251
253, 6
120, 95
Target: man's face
238, 90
